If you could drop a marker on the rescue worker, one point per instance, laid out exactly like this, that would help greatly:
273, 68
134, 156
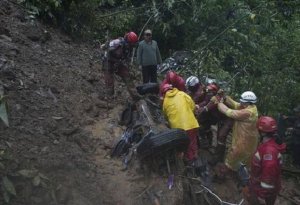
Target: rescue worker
244, 131
294, 121
174, 79
210, 116
195, 89
119, 53
265, 183
179, 108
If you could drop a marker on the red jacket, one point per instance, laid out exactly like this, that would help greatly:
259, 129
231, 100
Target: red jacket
266, 169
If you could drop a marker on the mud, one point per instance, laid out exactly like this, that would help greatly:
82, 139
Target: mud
62, 126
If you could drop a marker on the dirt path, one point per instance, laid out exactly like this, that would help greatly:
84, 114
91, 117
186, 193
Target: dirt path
118, 183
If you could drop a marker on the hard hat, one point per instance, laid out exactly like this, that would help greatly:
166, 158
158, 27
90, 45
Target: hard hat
248, 97
192, 81
131, 37
266, 124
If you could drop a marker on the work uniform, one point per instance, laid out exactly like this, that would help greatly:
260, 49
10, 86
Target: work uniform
178, 108
244, 133
118, 54
266, 165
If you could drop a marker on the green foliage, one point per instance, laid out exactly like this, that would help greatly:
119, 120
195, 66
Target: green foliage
256, 41
8, 172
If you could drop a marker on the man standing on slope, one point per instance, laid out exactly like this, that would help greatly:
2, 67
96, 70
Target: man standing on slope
148, 57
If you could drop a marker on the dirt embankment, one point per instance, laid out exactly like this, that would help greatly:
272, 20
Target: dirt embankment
61, 129
54, 89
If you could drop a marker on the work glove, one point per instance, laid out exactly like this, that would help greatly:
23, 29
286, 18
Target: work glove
215, 99
220, 92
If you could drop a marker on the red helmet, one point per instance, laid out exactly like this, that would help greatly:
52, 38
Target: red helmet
213, 87
131, 37
165, 88
266, 124
171, 77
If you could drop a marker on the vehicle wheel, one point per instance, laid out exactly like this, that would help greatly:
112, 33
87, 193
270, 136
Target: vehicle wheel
148, 88
164, 141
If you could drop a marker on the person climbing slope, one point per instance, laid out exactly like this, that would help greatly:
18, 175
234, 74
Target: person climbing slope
119, 54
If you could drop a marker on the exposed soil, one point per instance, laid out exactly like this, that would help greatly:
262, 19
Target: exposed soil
61, 126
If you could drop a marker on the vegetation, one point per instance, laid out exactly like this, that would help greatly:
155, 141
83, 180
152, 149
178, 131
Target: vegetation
258, 41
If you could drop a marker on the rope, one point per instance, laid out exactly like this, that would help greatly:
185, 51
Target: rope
219, 199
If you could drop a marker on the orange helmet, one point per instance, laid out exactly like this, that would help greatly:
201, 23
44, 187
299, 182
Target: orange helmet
213, 87
266, 124
131, 37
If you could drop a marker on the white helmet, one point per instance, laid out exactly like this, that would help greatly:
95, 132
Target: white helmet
248, 97
192, 81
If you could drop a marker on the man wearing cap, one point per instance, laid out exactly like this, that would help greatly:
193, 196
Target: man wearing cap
148, 57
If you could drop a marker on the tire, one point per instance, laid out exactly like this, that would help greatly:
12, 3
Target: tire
148, 88
162, 142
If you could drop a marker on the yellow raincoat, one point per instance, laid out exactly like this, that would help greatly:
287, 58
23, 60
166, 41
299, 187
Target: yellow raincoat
179, 108
244, 134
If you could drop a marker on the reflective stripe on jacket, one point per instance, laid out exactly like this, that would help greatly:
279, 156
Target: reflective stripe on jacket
244, 133
266, 168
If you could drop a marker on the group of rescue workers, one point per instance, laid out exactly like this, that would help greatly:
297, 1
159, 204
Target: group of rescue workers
194, 107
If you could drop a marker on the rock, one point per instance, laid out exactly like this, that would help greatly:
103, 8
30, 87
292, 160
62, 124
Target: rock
45, 149
33, 33
56, 142
72, 131
5, 7
4, 31
5, 37
7, 47
20, 14
46, 36
18, 107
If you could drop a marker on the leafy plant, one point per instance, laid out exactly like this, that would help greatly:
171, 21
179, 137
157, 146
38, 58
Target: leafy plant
255, 41
7, 174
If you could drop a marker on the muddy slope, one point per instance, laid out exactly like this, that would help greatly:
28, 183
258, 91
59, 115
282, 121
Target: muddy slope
61, 129
52, 87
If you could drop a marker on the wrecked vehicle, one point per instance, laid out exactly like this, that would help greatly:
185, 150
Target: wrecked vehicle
148, 139
176, 62
147, 134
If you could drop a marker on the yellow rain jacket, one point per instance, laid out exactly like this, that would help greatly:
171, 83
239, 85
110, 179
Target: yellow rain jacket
244, 134
179, 108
